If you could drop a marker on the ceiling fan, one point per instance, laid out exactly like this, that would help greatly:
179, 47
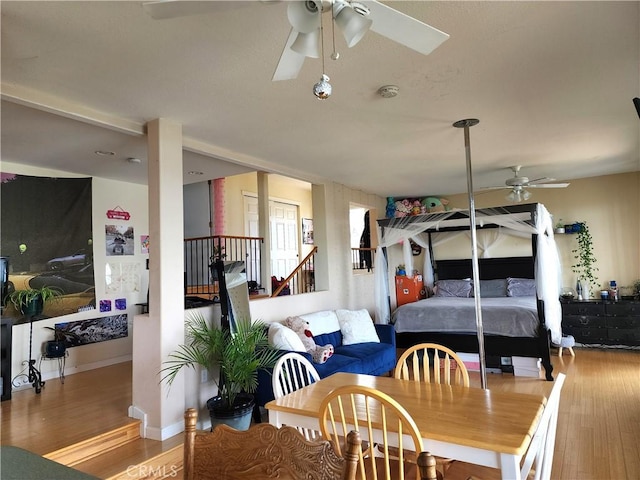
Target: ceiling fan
518, 184
353, 18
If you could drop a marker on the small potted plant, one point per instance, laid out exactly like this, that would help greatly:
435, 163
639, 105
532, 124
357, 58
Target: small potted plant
585, 265
58, 346
238, 355
31, 301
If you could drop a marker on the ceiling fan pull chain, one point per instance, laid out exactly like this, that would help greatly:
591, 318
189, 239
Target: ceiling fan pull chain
335, 55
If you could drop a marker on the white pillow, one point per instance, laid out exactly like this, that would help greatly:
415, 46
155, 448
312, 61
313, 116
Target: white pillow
322, 322
356, 327
283, 338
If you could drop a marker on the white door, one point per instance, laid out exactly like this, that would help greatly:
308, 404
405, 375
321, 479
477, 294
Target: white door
283, 219
251, 229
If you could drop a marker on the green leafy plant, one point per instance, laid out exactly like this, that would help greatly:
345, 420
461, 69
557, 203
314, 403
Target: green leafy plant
585, 265
636, 287
22, 298
239, 355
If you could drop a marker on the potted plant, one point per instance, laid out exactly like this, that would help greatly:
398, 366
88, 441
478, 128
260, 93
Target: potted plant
58, 346
30, 302
585, 265
238, 355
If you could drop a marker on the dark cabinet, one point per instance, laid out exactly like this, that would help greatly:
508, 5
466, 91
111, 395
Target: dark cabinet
5, 358
602, 322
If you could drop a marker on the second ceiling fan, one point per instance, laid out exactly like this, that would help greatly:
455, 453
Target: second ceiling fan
518, 185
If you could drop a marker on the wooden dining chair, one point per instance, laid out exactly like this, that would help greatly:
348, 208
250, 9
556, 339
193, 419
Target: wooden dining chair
291, 372
537, 461
264, 451
380, 420
433, 363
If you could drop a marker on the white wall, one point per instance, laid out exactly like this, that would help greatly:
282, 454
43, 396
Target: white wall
107, 195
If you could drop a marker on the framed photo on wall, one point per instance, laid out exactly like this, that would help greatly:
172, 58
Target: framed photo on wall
307, 231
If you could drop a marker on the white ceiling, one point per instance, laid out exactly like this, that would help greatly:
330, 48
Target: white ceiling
551, 82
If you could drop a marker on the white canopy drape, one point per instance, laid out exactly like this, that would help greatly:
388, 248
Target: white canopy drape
511, 221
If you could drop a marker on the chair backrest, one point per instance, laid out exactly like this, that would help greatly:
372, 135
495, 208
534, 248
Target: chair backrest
380, 420
291, 372
543, 442
263, 451
433, 363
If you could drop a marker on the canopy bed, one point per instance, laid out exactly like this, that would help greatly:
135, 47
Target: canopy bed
519, 296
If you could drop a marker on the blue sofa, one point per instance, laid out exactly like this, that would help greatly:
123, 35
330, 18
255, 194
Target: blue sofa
369, 358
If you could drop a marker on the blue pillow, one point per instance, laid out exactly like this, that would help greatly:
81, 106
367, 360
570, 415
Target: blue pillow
521, 287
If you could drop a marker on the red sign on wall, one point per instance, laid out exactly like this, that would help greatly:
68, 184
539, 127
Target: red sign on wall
118, 214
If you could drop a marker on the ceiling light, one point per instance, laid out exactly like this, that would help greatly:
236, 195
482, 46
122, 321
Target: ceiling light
307, 44
389, 91
322, 89
353, 24
104, 153
304, 16
518, 194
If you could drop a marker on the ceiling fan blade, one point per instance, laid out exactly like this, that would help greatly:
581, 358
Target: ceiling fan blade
492, 188
290, 61
548, 185
542, 180
404, 29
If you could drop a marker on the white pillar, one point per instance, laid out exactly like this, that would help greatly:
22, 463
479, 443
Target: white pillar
159, 333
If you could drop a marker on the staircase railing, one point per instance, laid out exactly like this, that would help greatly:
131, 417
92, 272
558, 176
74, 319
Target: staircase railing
199, 253
363, 258
301, 280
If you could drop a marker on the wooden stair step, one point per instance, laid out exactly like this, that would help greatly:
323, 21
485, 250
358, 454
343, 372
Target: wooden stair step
140, 459
98, 445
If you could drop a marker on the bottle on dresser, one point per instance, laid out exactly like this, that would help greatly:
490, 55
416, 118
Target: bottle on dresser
613, 290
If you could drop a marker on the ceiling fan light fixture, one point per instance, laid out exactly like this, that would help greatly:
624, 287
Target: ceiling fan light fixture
304, 17
322, 89
513, 196
307, 44
352, 24
526, 195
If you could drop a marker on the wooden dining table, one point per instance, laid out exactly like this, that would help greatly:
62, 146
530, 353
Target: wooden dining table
474, 425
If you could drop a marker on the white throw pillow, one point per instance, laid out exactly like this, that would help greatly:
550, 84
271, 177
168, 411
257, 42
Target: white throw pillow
283, 338
356, 327
322, 322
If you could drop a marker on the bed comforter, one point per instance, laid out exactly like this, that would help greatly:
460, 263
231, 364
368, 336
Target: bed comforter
505, 316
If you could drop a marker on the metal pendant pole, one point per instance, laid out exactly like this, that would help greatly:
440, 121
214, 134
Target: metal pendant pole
470, 122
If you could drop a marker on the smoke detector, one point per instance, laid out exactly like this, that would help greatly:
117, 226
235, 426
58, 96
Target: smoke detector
389, 91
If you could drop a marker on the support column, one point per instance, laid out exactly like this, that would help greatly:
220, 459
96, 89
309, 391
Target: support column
159, 333
264, 224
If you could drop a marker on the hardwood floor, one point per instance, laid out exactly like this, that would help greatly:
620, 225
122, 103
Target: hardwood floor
598, 428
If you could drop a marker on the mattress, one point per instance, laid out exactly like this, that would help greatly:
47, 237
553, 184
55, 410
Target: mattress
504, 316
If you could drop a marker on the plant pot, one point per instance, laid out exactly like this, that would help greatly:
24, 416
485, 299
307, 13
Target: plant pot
238, 417
32, 308
55, 349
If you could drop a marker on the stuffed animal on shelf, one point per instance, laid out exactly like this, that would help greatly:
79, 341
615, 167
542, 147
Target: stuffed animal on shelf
434, 204
319, 353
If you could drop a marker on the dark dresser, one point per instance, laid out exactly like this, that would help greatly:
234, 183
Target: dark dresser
602, 322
